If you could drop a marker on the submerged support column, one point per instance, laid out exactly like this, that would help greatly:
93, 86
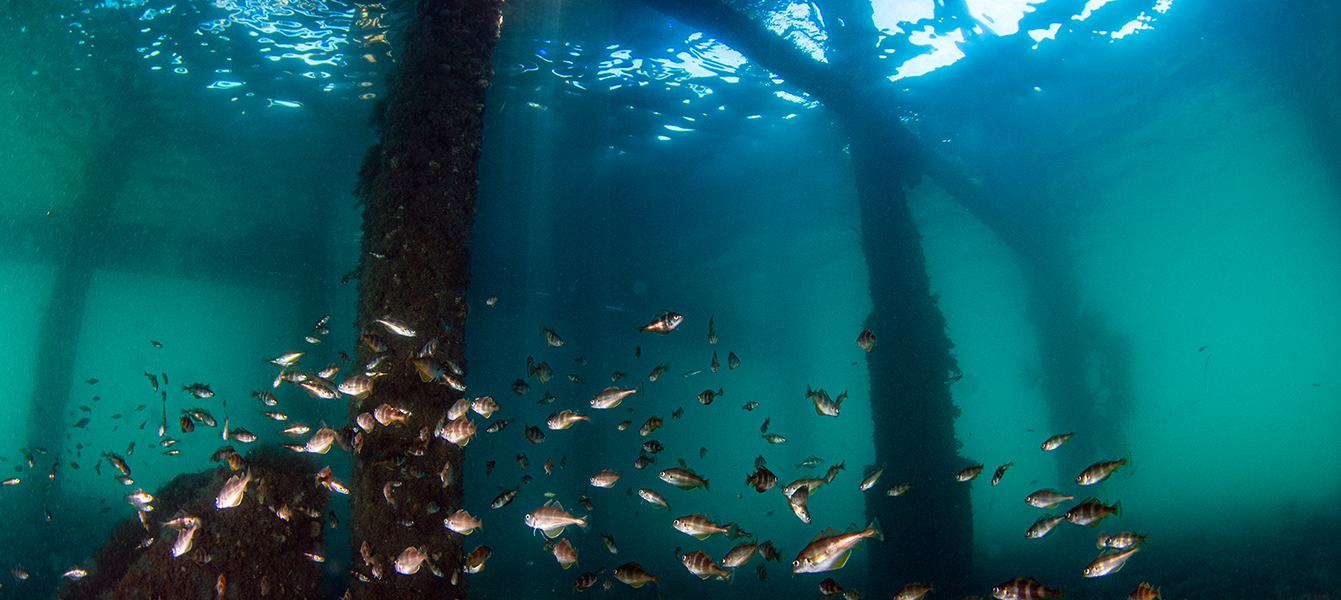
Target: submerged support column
418, 186
79, 239
929, 532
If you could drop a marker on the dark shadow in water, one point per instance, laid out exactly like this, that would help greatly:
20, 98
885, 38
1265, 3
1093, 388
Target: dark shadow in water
75, 237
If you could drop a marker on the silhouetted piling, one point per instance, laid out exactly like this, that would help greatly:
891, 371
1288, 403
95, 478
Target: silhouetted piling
81, 233
418, 186
929, 532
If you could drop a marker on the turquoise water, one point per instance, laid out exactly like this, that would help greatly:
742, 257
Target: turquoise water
1179, 175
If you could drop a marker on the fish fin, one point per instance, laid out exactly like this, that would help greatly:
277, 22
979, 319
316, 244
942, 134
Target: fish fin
552, 533
842, 560
878, 528
702, 536
826, 532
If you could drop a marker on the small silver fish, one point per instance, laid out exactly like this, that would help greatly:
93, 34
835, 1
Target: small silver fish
231, 493
397, 327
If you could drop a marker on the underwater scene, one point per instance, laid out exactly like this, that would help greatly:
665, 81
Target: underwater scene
1011, 299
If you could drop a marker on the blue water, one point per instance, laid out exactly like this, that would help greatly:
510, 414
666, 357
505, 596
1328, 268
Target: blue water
195, 161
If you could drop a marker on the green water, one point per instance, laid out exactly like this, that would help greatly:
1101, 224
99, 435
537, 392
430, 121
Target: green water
1177, 184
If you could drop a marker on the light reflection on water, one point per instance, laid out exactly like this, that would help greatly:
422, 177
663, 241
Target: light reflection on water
330, 38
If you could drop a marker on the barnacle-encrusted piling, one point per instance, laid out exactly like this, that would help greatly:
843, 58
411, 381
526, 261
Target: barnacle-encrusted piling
265, 547
418, 188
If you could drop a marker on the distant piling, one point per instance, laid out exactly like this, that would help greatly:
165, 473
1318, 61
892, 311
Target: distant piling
418, 187
930, 529
81, 237
911, 405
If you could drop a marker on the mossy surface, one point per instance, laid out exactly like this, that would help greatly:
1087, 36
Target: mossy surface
418, 189
248, 550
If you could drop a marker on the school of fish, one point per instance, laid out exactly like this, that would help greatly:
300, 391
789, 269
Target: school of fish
829, 549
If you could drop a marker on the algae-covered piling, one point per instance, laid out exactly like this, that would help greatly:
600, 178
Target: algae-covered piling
266, 546
418, 189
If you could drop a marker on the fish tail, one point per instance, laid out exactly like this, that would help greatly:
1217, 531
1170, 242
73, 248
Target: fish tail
1117, 508
877, 529
582, 524
705, 484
